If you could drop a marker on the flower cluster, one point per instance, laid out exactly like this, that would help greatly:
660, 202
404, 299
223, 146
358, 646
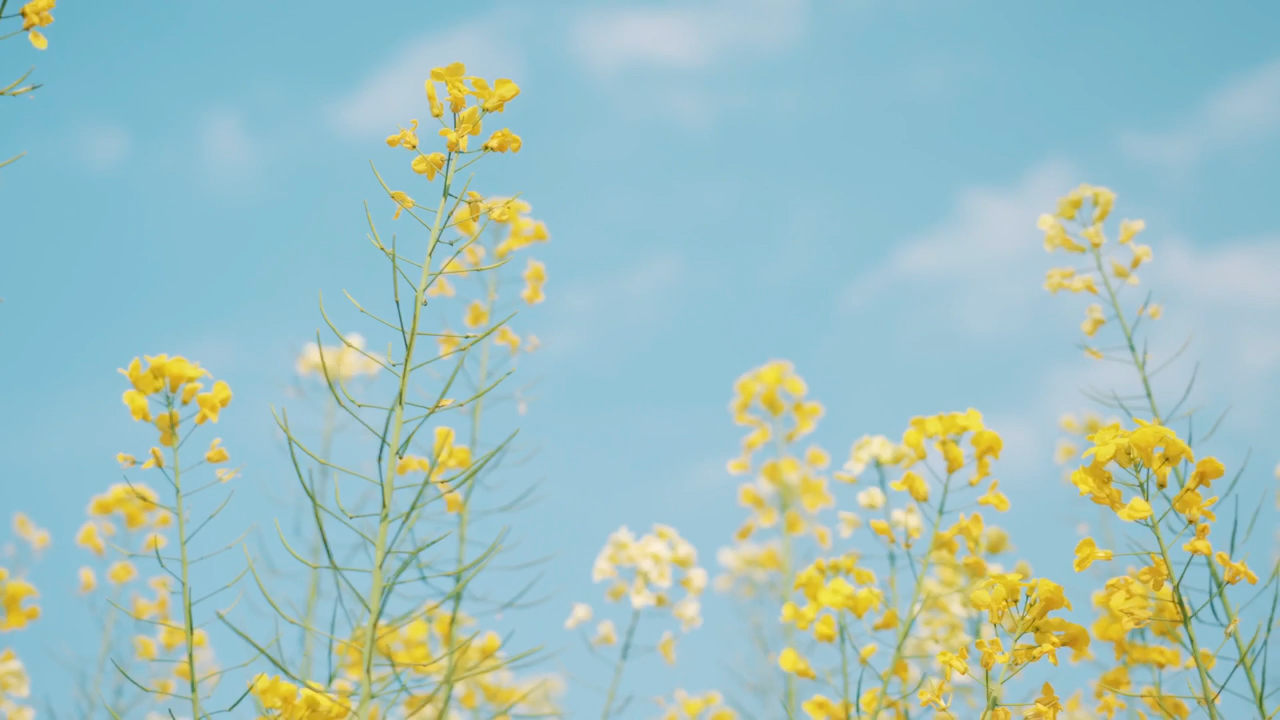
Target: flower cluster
432, 645
446, 456
688, 706
35, 15
15, 687
16, 607
287, 701
344, 362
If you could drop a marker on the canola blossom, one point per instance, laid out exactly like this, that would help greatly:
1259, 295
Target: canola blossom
879, 582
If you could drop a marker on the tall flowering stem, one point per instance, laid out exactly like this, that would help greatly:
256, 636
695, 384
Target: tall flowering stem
1146, 457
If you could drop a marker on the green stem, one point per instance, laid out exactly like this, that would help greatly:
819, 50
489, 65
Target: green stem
908, 618
464, 511
844, 669
188, 624
108, 630
377, 581
1139, 364
622, 661
317, 541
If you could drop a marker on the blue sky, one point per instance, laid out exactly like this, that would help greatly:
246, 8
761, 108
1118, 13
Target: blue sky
852, 186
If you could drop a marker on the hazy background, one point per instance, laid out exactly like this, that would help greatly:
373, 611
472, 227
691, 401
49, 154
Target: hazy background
850, 185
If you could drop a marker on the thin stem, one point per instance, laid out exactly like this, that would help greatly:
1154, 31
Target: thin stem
377, 581
317, 541
622, 661
909, 616
188, 623
465, 511
1139, 364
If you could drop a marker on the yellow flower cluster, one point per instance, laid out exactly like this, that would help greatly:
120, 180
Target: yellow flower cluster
134, 505
37, 14
647, 569
446, 455
433, 643
174, 379
1077, 230
343, 362
15, 594
282, 699
15, 686
466, 123
37, 537
688, 706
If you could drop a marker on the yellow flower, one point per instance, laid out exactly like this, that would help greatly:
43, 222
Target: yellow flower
167, 424
90, 538
121, 571
448, 343
88, 580
212, 402
407, 139
217, 453
1199, 545
506, 336
144, 648
35, 536
1136, 509
37, 13
13, 593
138, 406
667, 647
912, 483
1094, 319
1129, 229
494, 99
1087, 552
1046, 707
535, 276
1235, 571
994, 498
429, 165
794, 663
580, 614
341, 362
467, 125
15, 683
153, 542
402, 201
477, 315
871, 499
606, 633
503, 140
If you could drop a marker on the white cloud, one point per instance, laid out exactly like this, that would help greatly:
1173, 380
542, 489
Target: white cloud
977, 275
685, 36
981, 264
393, 94
104, 146
1246, 110
228, 153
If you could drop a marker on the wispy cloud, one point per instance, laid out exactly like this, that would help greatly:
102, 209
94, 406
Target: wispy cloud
976, 277
981, 263
228, 153
685, 36
393, 93
104, 147
1244, 111
667, 52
